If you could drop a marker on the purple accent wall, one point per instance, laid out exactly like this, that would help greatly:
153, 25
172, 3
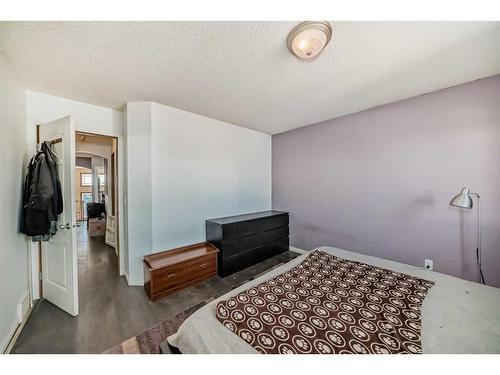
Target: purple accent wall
379, 182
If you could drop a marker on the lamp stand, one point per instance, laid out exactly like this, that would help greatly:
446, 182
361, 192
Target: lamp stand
480, 276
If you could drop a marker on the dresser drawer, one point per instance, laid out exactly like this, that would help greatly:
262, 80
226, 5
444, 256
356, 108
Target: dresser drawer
249, 257
246, 228
170, 277
231, 247
182, 274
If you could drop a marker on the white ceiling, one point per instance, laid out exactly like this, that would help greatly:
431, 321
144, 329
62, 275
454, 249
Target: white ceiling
242, 72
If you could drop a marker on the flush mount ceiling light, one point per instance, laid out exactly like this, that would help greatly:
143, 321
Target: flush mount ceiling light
307, 39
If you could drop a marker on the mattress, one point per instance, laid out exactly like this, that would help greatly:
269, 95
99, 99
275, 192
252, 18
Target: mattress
458, 316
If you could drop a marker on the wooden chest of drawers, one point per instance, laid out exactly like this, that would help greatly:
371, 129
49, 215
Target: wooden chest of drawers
172, 270
245, 240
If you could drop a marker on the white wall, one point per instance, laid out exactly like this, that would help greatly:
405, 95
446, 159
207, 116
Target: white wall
43, 108
88, 118
123, 165
203, 168
138, 188
184, 168
14, 266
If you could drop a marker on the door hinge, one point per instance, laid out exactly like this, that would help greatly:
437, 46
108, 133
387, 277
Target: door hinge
40, 276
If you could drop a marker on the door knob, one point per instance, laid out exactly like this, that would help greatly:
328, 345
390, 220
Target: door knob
62, 226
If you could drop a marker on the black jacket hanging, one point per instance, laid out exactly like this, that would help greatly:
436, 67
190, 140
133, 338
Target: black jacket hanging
57, 199
42, 198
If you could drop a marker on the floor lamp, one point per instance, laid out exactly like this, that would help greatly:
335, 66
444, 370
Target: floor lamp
464, 200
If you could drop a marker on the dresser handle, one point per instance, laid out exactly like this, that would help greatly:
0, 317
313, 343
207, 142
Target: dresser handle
170, 275
203, 265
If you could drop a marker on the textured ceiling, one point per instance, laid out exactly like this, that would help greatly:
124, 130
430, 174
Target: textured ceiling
242, 72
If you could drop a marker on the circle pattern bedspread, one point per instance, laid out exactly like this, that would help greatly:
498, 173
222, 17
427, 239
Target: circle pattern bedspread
330, 305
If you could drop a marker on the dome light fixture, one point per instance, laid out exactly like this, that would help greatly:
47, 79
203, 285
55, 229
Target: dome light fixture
309, 38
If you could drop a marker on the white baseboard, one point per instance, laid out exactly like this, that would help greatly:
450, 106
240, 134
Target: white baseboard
23, 309
297, 250
132, 282
6, 340
23, 306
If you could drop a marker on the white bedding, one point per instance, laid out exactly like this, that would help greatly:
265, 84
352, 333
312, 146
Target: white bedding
458, 316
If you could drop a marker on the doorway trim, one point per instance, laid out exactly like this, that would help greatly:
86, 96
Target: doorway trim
33, 247
117, 213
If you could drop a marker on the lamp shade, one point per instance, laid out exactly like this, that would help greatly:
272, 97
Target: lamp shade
462, 200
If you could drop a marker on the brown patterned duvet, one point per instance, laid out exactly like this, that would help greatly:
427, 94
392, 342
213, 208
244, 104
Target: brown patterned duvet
329, 305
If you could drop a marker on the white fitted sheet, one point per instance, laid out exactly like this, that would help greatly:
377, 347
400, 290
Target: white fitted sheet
458, 316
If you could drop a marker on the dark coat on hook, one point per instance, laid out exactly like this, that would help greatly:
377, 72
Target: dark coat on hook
42, 198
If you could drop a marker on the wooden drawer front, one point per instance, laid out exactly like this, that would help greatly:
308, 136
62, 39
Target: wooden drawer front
229, 265
236, 230
182, 274
232, 247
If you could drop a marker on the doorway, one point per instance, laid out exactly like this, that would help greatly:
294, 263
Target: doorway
96, 200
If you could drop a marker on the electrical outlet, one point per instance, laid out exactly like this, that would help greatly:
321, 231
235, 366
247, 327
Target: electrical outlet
429, 264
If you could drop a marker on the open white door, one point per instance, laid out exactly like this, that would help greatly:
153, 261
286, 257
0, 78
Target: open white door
59, 254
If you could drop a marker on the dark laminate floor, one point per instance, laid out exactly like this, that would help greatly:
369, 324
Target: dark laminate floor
110, 310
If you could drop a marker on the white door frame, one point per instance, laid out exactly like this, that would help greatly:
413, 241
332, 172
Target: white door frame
118, 196
33, 247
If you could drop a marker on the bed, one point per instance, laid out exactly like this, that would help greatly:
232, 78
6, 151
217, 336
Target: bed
457, 316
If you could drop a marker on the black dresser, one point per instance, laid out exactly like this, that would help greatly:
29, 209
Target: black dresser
244, 240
